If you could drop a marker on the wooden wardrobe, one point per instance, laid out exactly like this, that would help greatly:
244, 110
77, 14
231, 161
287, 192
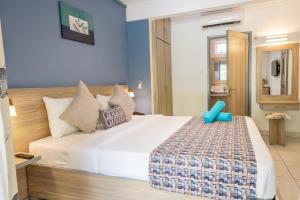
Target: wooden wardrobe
162, 67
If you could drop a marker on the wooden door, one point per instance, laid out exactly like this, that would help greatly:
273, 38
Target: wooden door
238, 73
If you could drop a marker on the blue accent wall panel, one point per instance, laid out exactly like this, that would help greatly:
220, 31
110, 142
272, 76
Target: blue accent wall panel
139, 63
37, 55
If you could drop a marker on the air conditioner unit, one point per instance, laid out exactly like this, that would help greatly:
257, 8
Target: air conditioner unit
221, 17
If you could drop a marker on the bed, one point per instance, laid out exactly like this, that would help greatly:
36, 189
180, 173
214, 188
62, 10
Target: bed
90, 160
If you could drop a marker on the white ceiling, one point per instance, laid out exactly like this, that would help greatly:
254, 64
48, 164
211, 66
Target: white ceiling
151, 9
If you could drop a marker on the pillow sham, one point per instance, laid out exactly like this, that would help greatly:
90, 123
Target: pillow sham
83, 112
112, 117
121, 98
55, 107
104, 101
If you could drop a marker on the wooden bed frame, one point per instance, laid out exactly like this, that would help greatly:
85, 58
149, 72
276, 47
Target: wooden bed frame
31, 123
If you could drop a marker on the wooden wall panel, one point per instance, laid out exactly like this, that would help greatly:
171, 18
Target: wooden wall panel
161, 77
160, 29
167, 30
162, 67
168, 82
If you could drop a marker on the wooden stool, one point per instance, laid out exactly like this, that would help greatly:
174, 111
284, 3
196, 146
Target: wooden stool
277, 128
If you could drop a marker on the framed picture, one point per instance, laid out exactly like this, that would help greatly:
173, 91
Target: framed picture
76, 24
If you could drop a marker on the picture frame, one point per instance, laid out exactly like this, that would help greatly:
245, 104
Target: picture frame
76, 24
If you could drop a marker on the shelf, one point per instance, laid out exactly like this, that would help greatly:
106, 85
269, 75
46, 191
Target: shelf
279, 105
279, 102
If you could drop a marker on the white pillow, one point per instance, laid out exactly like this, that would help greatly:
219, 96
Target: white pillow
55, 107
104, 101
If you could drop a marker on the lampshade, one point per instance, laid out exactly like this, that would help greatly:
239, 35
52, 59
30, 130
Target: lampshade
130, 93
12, 109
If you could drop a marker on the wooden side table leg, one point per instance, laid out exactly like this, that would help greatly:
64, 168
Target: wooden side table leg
281, 131
273, 131
277, 131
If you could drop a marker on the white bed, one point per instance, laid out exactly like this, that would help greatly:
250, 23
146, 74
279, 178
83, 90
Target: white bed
123, 151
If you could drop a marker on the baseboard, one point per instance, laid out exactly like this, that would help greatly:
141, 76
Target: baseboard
288, 134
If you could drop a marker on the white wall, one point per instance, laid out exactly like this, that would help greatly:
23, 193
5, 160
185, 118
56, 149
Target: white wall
189, 55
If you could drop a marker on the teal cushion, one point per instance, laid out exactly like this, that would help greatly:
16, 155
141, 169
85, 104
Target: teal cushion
211, 115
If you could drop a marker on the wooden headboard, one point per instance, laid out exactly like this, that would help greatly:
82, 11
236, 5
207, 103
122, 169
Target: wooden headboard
31, 122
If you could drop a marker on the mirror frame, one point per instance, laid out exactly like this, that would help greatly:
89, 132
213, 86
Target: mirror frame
295, 72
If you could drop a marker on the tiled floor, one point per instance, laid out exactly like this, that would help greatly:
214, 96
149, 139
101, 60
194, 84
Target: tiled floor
287, 163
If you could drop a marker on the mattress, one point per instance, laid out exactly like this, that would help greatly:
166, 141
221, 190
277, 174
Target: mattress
124, 150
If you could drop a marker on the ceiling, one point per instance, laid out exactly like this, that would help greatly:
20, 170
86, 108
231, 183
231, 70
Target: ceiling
151, 9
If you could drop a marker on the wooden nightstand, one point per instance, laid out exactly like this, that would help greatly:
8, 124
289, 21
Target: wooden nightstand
21, 165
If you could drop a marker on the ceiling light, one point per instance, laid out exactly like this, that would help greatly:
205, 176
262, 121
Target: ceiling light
277, 40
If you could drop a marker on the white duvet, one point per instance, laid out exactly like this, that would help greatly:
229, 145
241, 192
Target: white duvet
124, 151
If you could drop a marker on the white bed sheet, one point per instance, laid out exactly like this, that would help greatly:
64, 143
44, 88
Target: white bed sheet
124, 151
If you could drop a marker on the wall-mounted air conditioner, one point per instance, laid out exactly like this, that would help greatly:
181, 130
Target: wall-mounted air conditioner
221, 17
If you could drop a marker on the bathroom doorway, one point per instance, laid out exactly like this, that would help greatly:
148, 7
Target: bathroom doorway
228, 61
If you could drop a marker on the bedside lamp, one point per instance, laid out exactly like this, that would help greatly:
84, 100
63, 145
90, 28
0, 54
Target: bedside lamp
12, 109
130, 93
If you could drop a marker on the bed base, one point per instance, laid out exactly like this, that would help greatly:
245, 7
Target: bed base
65, 184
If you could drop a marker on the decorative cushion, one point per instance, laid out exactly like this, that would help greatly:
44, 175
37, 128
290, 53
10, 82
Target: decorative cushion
55, 107
83, 112
121, 98
104, 101
112, 117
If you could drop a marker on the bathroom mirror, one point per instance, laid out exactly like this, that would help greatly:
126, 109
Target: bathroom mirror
218, 60
277, 72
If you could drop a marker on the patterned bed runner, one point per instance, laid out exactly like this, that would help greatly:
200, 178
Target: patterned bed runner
209, 160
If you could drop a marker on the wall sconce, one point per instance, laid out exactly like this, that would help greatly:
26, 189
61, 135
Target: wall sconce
12, 109
279, 38
130, 93
140, 84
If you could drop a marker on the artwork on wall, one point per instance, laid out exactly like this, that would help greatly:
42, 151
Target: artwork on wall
76, 24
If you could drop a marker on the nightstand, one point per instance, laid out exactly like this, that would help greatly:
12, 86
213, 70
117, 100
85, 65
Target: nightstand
21, 165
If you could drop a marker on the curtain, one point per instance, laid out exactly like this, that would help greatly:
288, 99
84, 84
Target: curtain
8, 181
8, 186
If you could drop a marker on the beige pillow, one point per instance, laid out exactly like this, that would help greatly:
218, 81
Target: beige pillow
83, 112
121, 98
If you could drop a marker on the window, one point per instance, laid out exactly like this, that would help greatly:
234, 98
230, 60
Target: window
223, 71
220, 47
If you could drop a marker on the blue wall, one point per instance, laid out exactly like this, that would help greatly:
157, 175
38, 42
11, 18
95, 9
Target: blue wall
37, 56
139, 63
